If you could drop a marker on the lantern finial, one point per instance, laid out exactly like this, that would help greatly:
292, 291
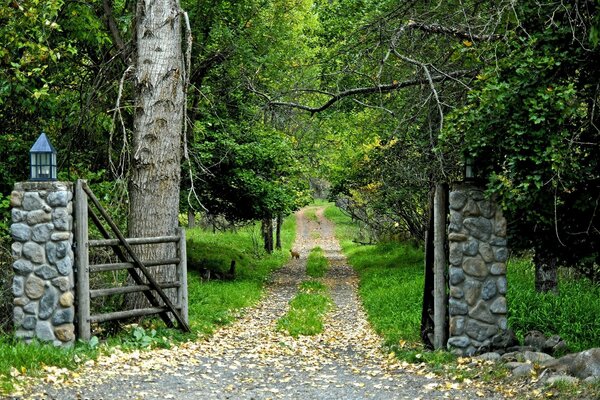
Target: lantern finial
42, 157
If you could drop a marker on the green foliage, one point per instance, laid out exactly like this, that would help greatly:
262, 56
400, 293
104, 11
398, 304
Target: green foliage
307, 310
316, 264
572, 314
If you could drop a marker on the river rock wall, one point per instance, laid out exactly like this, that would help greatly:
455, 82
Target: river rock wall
477, 274
43, 280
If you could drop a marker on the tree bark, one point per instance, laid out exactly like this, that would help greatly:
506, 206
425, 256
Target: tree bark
191, 216
427, 323
267, 233
278, 231
440, 308
546, 272
156, 151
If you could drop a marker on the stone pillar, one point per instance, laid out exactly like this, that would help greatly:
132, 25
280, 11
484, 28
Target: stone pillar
478, 254
43, 283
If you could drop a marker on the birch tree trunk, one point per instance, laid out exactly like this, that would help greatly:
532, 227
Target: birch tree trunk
156, 154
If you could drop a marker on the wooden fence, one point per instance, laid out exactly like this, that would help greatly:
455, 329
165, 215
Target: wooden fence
137, 269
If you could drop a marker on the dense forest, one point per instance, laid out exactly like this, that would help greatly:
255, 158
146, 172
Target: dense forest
370, 102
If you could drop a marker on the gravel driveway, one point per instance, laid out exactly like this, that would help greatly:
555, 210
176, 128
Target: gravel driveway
249, 359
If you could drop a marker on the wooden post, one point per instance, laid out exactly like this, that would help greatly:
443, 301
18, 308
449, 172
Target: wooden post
439, 283
427, 323
82, 262
182, 291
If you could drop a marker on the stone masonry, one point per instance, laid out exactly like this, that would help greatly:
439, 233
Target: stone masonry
43, 262
477, 275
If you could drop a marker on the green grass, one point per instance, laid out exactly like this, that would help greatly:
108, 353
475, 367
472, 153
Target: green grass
572, 314
316, 264
311, 214
391, 281
307, 310
215, 303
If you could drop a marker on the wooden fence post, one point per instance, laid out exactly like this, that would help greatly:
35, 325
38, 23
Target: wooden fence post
82, 262
182, 291
439, 267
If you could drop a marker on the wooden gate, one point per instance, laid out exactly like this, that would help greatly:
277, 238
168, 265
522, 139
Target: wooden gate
137, 269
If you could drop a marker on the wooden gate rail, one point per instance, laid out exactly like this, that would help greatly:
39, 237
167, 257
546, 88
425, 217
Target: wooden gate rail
130, 262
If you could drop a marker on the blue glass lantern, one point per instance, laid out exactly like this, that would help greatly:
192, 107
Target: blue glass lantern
42, 160
469, 172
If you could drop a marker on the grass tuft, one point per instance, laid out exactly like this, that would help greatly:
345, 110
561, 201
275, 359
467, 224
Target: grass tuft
316, 264
307, 310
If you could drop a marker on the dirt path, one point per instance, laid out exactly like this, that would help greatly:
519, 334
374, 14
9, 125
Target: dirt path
249, 359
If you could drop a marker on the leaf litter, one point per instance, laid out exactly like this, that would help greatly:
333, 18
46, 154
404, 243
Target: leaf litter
251, 359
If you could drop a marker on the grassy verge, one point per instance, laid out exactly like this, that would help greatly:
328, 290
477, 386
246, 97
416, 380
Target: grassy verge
307, 310
211, 304
572, 314
316, 264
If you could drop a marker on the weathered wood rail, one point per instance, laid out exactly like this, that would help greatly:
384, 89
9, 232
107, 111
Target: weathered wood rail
137, 269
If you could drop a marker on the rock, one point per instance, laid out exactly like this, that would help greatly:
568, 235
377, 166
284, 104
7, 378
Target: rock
20, 232
491, 356
56, 251
48, 303
486, 252
586, 364
44, 331
498, 269
498, 242
475, 266
489, 289
471, 209
38, 217
34, 287
500, 254
58, 236
480, 331
480, 228
22, 267
66, 299
59, 199
504, 340
456, 292
487, 208
18, 316
34, 252
18, 215
65, 266
31, 308
16, 250
499, 306
62, 220
501, 283
459, 341
457, 307
457, 237
457, 200
63, 316
476, 194
536, 357
18, 286
64, 333
522, 370
592, 380
562, 379
482, 313
63, 283
24, 334
472, 289
21, 301
471, 247
32, 201
456, 222
46, 271
16, 198
456, 275
41, 232
554, 345
535, 339
29, 322
457, 326
455, 253
503, 324
499, 225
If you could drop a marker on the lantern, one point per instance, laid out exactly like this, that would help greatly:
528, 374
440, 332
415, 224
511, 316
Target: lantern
469, 173
42, 160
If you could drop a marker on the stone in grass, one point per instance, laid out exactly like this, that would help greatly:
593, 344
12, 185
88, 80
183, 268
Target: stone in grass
491, 356
562, 379
65, 333
523, 370
586, 364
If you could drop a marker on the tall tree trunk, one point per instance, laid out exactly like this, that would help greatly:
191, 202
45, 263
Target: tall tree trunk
546, 272
267, 232
278, 231
191, 215
156, 153
440, 309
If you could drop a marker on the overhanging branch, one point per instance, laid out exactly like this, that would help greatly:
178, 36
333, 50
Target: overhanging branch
370, 90
449, 31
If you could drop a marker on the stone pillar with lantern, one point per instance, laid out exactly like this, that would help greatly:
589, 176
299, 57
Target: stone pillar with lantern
42, 225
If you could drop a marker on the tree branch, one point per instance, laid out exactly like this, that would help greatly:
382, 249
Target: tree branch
114, 30
369, 90
449, 31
